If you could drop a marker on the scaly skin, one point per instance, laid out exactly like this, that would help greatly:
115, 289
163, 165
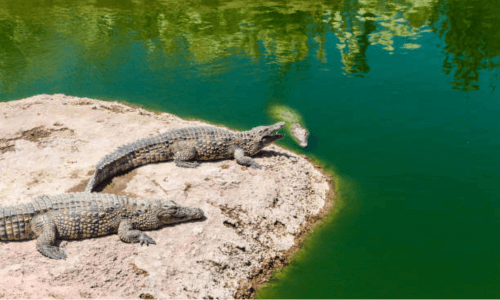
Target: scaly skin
86, 215
185, 146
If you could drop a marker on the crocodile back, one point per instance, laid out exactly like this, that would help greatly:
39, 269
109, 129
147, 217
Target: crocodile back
72, 213
208, 141
84, 215
79, 202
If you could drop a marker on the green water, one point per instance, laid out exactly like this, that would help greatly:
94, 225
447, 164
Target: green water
400, 98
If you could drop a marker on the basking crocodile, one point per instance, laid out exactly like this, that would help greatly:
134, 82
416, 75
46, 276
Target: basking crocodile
85, 215
184, 146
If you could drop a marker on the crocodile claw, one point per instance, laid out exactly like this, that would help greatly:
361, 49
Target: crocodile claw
256, 166
146, 239
52, 252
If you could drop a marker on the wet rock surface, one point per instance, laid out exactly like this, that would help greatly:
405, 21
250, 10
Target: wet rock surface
256, 219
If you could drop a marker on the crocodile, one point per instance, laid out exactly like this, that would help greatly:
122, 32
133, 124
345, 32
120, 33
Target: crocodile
87, 215
295, 123
185, 146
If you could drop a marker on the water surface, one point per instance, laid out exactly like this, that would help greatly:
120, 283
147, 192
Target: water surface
400, 98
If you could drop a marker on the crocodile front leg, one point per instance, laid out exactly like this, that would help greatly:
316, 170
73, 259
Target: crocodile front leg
129, 235
239, 154
46, 231
183, 154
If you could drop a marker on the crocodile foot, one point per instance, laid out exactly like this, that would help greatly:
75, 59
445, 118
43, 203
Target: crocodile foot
185, 164
146, 239
52, 252
255, 165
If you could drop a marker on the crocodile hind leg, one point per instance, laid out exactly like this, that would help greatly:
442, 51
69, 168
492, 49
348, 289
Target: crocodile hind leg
46, 231
129, 235
182, 155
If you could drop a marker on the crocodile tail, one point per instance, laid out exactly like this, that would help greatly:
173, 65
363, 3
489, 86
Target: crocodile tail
15, 222
129, 156
90, 186
111, 164
103, 173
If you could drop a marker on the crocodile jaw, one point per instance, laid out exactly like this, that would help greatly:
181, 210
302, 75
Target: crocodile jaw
175, 214
269, 134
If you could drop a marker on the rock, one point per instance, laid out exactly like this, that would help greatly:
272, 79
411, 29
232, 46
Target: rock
255, 218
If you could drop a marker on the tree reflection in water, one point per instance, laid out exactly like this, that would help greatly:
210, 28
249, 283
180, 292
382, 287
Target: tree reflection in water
283, 32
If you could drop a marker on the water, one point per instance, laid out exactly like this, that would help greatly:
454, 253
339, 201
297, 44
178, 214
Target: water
400, 97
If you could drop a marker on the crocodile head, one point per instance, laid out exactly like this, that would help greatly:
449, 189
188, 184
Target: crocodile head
171, 212
264, 136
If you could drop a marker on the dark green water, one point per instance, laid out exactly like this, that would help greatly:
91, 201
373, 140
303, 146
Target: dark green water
400, 97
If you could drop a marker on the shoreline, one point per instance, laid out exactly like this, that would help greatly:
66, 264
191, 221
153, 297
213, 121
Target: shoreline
312, 223
129, 184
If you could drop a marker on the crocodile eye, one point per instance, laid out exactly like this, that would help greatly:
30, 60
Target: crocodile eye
172, 211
